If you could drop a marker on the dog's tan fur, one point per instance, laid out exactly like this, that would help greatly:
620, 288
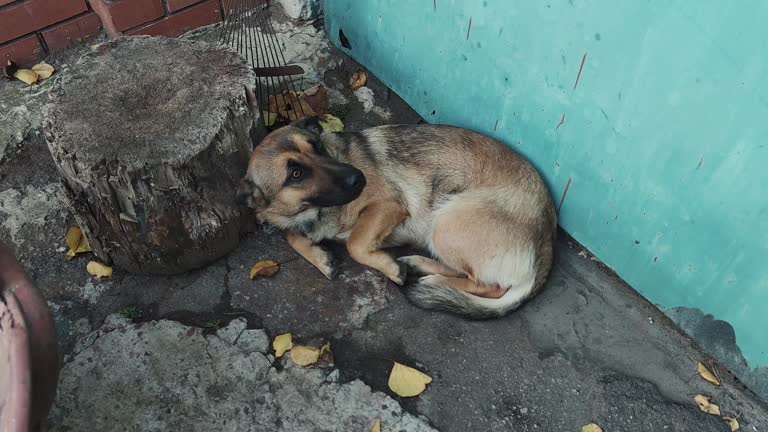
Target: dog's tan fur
481, 210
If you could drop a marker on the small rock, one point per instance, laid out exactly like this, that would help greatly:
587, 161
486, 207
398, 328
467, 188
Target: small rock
254, 341
333, 376
233, 330
116, 320
302, 9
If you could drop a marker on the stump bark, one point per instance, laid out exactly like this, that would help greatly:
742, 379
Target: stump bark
151, 136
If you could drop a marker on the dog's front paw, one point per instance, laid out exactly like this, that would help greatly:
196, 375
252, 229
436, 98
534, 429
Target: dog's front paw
412, 269
331, 267
402, 273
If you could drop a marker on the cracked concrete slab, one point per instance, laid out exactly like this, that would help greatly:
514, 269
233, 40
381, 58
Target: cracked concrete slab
124, 377
298, 298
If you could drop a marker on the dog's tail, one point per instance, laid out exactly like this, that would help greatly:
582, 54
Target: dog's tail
432, 295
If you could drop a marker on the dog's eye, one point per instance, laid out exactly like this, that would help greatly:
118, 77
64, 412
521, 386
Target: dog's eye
296, 173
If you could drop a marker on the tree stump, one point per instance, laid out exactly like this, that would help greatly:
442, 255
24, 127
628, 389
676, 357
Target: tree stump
151, 136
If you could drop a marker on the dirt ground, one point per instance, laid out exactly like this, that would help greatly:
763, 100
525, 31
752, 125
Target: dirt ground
157, 353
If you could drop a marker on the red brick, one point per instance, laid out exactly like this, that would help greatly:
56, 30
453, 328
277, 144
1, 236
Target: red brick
23, 52
72, 32
23, 18
175, 25
127, 14
174, 5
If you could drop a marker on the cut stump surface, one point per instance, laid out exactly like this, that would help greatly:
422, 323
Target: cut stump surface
151, 136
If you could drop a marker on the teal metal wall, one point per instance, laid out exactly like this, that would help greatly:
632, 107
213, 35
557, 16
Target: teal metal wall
663, 139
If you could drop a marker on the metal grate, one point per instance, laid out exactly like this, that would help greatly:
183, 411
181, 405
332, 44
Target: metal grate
248, 29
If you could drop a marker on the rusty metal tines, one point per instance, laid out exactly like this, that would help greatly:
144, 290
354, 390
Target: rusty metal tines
248, 29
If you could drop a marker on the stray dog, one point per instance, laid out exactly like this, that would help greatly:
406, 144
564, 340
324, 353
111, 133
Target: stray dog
482, 211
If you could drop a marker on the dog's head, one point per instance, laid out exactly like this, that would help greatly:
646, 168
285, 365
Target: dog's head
290, 176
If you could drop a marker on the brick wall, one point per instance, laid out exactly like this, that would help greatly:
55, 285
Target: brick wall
31, 29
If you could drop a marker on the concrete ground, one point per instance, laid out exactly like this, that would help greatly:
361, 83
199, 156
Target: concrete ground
191, 352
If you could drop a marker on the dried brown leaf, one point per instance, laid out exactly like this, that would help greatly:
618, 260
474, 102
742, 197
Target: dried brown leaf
282, 343
733, 423
265, 268
406, 381
705, 404
317, 99
99, 270
376, 426
77, 242
43, 70
289, 105
358, 79
26, 75
707, 374
326, 356
304, 355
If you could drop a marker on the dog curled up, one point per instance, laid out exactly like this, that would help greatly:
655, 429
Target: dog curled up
480, 209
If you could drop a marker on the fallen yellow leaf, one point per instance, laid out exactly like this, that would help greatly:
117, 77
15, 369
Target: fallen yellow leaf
281, 344
269, 118
77, 242
331, 123
304, 355
325, 348
26, 75
326, 356
707, 374
706, 406
43, 70
358, 79
733, 423
99, 270
406, 381
265, 268
376, 426
592, 427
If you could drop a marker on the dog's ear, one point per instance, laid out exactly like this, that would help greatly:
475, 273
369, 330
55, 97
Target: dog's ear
250, 195
309, 123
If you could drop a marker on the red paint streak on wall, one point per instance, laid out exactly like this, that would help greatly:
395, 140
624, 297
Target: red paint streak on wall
469, 27
583, 59
565, 191
562, 120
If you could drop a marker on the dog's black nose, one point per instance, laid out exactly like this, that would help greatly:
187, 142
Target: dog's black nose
355, 181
